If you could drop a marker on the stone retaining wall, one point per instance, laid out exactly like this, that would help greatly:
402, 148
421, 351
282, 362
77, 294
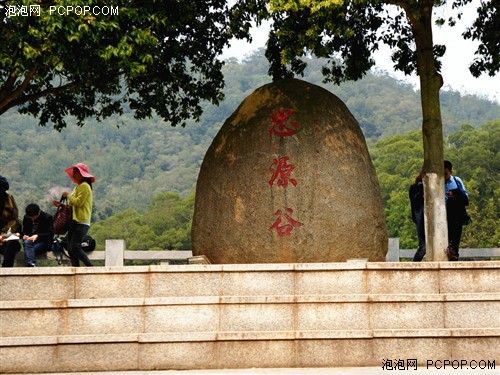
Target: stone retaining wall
243, 316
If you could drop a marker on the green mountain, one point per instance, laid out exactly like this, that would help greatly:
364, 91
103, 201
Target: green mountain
136, 160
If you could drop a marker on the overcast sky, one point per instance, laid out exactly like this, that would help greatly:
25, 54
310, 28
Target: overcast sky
459, 54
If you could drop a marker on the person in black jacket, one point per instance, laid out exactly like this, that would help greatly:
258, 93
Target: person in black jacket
4, 186
416, 195
38, 233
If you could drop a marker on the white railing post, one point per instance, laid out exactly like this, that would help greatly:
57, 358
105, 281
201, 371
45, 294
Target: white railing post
115, 251
392, 250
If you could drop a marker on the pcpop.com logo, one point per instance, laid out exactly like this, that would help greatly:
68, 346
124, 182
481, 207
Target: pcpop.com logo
61, 10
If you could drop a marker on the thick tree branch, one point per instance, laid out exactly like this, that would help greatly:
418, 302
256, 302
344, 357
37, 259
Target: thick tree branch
8, 96
38, 95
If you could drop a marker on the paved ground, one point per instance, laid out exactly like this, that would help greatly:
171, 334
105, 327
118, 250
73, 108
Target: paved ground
301, 371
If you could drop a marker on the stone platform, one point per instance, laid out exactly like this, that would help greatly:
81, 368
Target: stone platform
243, 316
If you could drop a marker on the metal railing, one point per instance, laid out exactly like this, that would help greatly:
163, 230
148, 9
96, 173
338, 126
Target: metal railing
395, 254
115, 254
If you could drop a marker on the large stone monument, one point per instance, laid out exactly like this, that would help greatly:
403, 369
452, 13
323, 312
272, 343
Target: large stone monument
288, 179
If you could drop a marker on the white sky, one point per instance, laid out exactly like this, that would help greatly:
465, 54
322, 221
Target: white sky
459, 54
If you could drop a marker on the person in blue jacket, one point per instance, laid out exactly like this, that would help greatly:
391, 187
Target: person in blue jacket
456, 198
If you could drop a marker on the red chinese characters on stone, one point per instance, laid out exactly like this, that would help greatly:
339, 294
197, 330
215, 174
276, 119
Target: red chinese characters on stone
281, 171
285, 229
282, 127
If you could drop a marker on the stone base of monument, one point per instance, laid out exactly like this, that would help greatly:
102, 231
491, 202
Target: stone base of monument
199, 259
243, 316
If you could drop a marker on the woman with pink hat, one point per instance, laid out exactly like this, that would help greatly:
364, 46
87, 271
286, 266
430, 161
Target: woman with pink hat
80, 201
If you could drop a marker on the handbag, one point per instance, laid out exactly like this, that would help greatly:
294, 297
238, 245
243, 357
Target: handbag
62, 217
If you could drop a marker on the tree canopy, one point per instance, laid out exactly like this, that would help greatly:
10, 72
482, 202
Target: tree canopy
155, 56
348, 32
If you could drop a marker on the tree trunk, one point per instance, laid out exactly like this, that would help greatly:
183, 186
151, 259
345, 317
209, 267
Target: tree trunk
432, 131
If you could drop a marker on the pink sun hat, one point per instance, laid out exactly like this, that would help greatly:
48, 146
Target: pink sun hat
84, 170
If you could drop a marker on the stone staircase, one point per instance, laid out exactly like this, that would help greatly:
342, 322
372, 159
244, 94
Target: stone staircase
144, 318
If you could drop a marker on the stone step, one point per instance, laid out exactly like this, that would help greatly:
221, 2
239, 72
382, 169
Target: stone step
148, 352
266, 314
242, 316
64, 283
169, 337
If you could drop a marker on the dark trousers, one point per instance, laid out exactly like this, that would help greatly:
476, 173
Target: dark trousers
75, 238
9, 249
419, 226
454, 234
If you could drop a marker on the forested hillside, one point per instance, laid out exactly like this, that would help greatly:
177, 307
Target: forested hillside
140, 165
398, 159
